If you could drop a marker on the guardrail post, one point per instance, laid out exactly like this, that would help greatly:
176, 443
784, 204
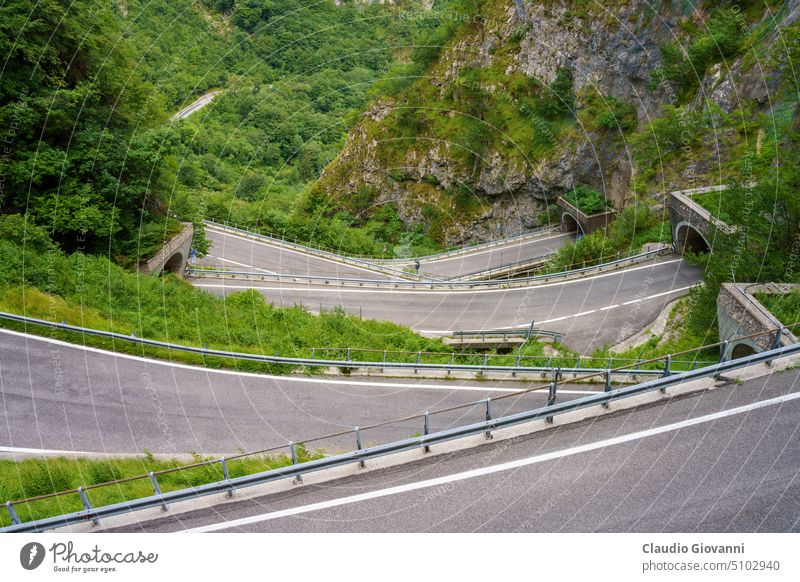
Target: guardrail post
86, 504
723, 355
551, 399
12, 513
156, 488
348, 354
226, 475
313, 352
426, 429
777, 343
298, 478
608, 385
358, 445
488, 432
516, 362
667, 366
419, 360
723, 351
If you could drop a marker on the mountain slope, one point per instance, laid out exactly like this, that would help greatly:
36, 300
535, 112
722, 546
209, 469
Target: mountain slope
531, 99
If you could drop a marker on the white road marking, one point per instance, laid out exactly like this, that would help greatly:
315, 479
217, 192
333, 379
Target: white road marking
23, 450
448, 385
494, 468
298, 252
563, 317
375, 290
242, 265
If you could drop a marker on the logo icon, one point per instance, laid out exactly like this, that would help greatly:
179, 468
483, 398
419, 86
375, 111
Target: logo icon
31, 555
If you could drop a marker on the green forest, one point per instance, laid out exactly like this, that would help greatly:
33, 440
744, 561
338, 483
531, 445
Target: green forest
93, 157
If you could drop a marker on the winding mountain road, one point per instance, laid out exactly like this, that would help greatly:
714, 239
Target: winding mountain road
592, 311
59, 397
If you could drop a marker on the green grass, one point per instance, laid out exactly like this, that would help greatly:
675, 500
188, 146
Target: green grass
39, 280
786, 308
680, 338
587, 200
721, 205
41, 476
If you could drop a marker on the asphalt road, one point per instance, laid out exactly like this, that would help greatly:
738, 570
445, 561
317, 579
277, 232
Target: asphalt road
592, 311
670, 468
483, 260
198, 104
63, 397
237, 253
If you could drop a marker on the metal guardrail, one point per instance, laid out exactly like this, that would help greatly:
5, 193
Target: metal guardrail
356, 261
361, 455
507, 269
348, 363
536, 233
405, 284
525, 333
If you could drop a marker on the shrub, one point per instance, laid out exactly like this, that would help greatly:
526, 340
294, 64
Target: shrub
587, 199
548, 216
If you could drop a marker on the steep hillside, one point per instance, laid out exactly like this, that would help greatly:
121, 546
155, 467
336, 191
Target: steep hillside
531, 99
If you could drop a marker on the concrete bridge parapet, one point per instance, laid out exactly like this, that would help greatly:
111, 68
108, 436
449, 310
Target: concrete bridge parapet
173, 255
740, 314
574, 219
692, 225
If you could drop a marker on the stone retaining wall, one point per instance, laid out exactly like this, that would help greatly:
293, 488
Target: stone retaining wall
740, 314
173, 255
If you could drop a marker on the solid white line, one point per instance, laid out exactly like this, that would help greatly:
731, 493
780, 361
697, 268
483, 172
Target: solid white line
242, 265
298, 252
443, 386
495, 468
23, 450
374, 290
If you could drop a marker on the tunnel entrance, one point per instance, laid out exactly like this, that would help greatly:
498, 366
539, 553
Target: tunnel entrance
570, 224
741, 351
688, 238
174, 264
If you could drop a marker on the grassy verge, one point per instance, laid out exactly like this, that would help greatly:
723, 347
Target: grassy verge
39, 280
41, 476
676, 338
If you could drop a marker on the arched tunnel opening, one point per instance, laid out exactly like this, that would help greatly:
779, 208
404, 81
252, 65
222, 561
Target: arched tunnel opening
570, 224
174, 264
741, 351
689, 238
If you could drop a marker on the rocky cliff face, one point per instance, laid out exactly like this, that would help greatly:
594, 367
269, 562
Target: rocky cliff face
484, 140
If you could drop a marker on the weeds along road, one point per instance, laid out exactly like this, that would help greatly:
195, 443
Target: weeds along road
592, 311
64, 397
723, 460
